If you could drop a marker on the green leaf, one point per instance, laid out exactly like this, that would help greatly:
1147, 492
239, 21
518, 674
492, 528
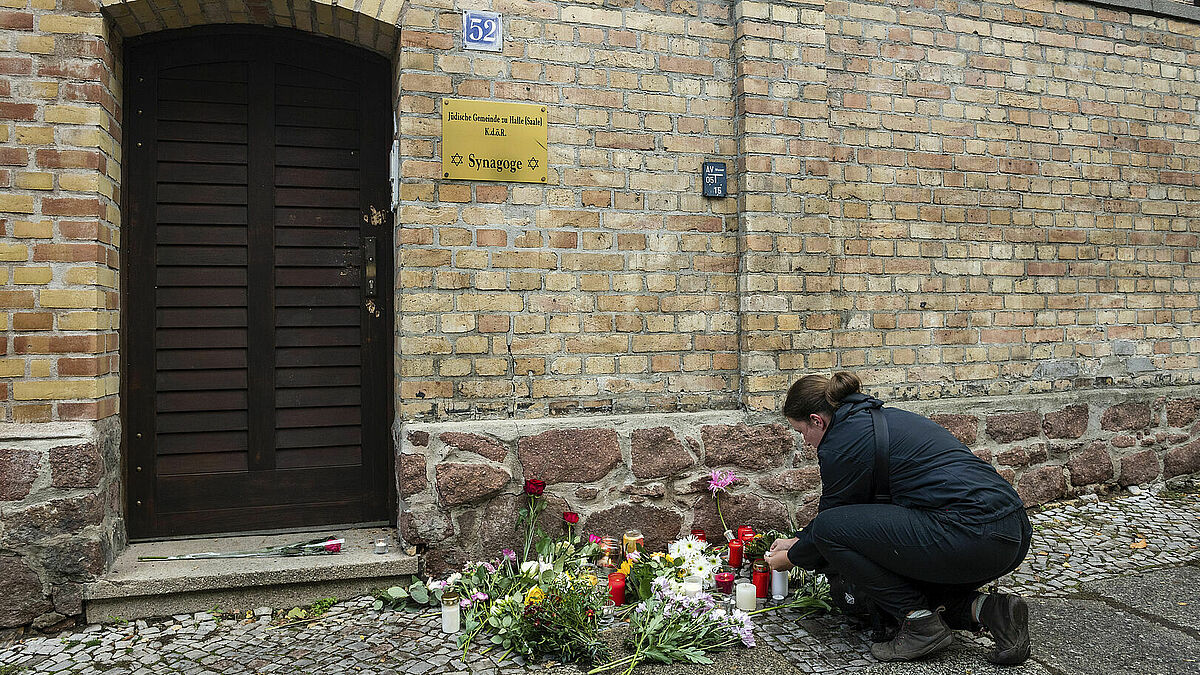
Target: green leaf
419, 593
397, 593
297, 613
378, 605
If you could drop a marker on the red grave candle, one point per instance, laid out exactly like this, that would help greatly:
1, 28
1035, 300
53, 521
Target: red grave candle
616, 588
724, 581
745, 533
699, 534
761, 577
735, 553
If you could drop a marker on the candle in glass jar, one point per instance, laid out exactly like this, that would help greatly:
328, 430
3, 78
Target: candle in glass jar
724, 581
610, 552
450, 613
745, 532
692, 586
779, 584
745, 596
735, 553
616, 588
632, 541
699, 534
761, 576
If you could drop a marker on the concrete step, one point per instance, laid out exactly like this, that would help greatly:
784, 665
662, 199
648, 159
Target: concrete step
135, 590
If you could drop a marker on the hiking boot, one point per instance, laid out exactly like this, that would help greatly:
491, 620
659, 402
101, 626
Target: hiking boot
1007, 618
917, 638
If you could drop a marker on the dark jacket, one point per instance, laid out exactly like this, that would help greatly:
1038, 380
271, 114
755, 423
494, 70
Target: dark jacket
929, 470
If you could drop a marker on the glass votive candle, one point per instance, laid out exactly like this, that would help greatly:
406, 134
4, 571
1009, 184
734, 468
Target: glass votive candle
616, 588
450, 613
692, 586
631, 541
746, 596
381, 546
761, 577
608, 614
699, 534
735, 553
723, 580
610, 552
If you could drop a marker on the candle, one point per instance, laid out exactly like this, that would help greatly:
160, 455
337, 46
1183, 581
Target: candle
735, 553
724, 581
450, 617
616, 588
745, 596
779, 584
632, 541
609, 552
745, 532
699, 534
762, 577
381, 546
692, 586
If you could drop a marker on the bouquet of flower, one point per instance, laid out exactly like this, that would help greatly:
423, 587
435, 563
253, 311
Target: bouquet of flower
559, 617
761, 543
669, 627
641, 569
695, 558
313, 547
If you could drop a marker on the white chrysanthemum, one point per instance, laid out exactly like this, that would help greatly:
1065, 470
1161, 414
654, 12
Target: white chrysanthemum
686, 547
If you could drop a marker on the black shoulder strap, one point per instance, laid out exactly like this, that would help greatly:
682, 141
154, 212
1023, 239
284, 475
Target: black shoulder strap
882, 479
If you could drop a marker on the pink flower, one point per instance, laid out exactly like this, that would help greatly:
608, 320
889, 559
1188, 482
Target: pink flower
464, 603
721, 480
333, 546
593, 539
478, 595
510, 554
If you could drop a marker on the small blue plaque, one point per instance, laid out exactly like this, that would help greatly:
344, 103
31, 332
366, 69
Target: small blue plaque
482, 31
713, 175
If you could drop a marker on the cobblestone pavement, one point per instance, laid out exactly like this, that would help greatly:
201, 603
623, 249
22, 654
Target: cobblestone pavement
1073, 543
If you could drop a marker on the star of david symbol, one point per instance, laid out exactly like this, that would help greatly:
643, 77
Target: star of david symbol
533, 163
456, 159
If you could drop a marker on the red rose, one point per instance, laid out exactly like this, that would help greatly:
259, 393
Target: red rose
571, 517
333, 546
534, 486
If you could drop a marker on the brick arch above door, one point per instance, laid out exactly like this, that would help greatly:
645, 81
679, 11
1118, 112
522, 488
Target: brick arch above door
372, 25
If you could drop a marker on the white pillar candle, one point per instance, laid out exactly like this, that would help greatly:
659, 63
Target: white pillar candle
450, 616
746, 596
692, 586
779, 584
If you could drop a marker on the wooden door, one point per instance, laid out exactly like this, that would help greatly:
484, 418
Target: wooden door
258, 372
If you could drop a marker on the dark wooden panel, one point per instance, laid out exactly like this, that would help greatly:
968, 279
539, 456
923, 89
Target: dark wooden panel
201, 214
201, 255
216, 317
174, 423
213, 71
224, 235
184, 296
259, 488
297, 217
300, 457
318, 356
204, 442
200, 359
324, 158
227, 174
249, 519
325, 297
190, 193
317, 257
203, 153
314, 137
221, 132
201, 276
317, 97
319, 316
317, 337
317, 396
294, 418
195, 380
170, 89
290, 76
208, 462
202, 112
297, 176
214, 338
197, 401
334, 198
318, 437
320, 277
295, 236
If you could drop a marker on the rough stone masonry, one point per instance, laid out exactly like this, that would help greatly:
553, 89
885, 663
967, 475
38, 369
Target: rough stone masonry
988, 209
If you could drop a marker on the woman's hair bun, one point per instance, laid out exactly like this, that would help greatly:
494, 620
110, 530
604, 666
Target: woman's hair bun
841, 385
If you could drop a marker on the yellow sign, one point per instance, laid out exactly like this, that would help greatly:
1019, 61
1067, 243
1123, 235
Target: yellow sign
486, 140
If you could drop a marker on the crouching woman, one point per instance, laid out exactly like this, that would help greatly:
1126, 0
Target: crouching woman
916, 525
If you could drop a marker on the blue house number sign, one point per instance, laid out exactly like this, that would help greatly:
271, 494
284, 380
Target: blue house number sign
482, 31
714, 179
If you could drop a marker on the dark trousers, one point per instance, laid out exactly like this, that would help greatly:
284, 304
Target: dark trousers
904, 559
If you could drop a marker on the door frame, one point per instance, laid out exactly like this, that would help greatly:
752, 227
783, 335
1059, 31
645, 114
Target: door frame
378, 349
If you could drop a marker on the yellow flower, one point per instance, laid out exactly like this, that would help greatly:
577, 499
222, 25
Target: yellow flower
534, 596
664, 556
625, 567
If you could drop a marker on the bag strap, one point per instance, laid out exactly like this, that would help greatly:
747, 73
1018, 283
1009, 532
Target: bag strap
882, 479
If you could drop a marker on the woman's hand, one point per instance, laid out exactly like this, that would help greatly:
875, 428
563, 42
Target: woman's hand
777, 558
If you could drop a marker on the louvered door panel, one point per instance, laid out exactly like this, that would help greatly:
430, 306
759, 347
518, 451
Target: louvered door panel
259, 390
